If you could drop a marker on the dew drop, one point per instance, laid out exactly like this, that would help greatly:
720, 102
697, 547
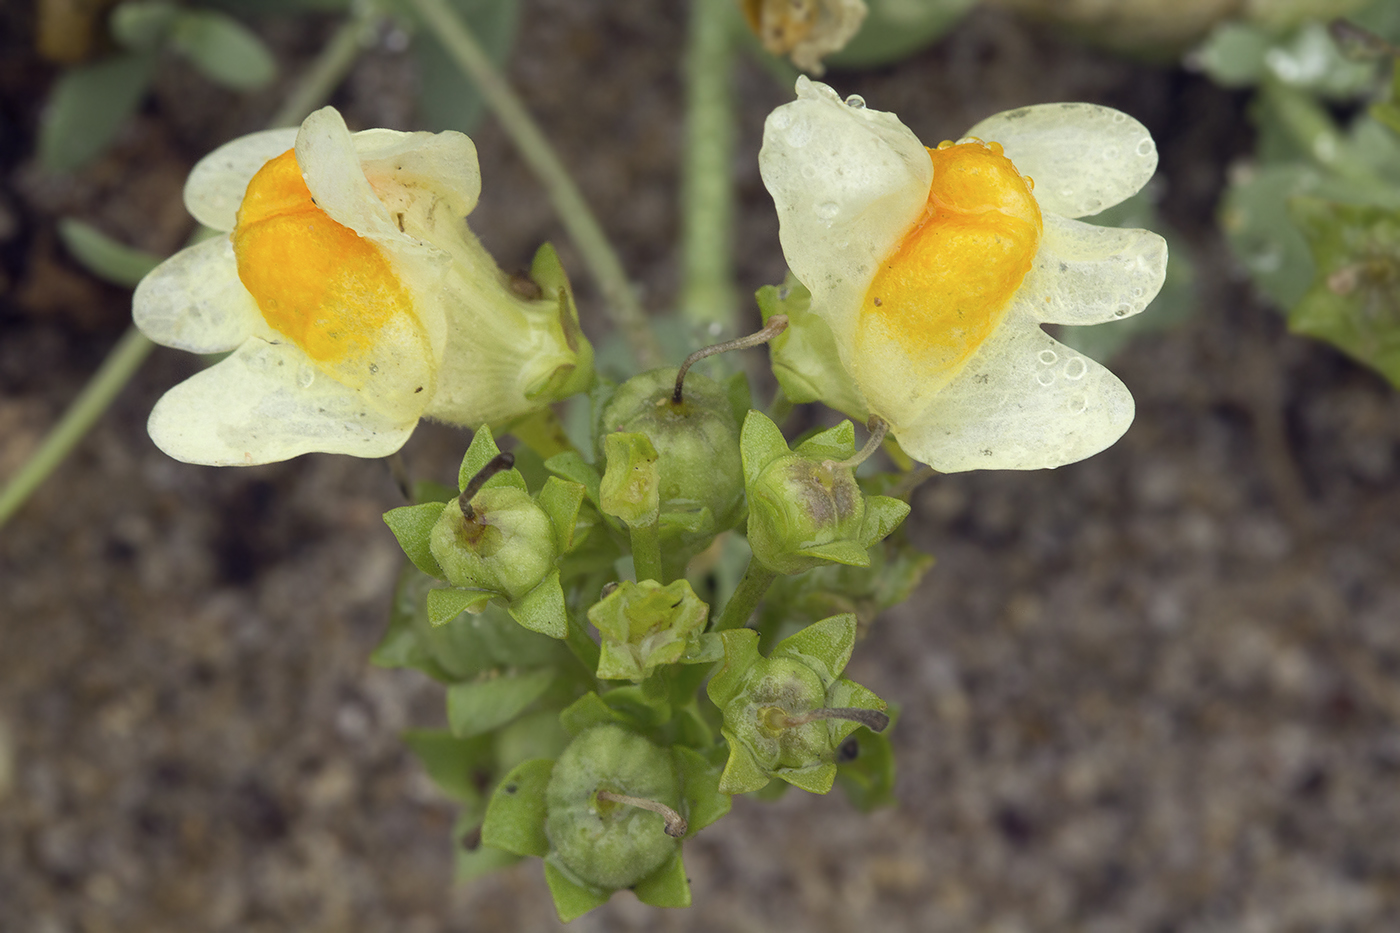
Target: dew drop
1110, 153
996, 148
1136, 293
1066, 192
1048, 357
305, 376
1076, 369
1122, 310
946, 144
827, 210
1145, 147
855, 102
1119, 117
809, 171
1078, 404
1045, 378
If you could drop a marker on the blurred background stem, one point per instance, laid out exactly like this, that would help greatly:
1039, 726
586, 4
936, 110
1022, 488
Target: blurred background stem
593, 245
708, 297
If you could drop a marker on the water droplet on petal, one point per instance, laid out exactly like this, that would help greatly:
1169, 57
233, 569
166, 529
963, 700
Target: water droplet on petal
1137, 293
827, 210
1048, 357
306, 375
1145, 147
1076, 369
1122, 310
855, 102
1045, 378
1110, 153
809, 171
1119, 117
1078, 404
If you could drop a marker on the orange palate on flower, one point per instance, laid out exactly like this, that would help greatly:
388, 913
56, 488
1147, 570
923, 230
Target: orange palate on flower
947, 285
317, 282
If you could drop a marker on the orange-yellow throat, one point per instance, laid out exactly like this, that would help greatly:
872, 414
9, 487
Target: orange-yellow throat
944, 289
316, 282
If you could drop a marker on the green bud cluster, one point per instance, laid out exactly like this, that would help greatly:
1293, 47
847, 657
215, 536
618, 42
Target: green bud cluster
600, 753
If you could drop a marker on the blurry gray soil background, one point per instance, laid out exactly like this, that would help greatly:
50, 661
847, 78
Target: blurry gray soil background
1154, 691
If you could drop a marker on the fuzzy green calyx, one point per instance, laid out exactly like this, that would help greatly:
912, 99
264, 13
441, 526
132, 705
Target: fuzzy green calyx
601, 841
700, 479
645, 625
786, 715
805, 507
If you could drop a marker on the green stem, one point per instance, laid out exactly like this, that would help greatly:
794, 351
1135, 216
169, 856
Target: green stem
327, 71
708, 297
646, 551
583, 647
747, 596
578, 219
121, 364
1313, 129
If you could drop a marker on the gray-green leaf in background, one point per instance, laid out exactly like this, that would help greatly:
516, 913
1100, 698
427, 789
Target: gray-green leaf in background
446, 99
103, 256
88, 105
223, 49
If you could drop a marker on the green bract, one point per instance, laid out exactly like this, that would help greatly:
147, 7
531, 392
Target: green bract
805, 508
767, 701
592, 846
644, 625
509, 547
701, 491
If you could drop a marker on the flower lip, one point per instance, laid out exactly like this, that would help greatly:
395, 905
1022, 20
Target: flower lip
848, 194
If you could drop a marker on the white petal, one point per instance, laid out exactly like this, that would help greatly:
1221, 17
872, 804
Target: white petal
848, 183
194, 300
1084, 158
1024, 402
265, 403
331, 167
1085, 274
443, 165
218, 181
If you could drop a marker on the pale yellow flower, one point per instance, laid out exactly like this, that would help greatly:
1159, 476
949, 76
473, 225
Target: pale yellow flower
353, 297
934, 269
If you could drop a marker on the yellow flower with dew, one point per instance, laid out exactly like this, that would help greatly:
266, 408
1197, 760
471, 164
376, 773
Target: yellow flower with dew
934, 269
353, 297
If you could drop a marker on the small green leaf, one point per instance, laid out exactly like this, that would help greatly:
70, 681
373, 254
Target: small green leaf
838, 552
1354, 303
561, 499
87, 107
849, 694
413, 525
454, 764
142, 27
446, 604
816, 779
665, 887
1233, 54
223, 49
742, 772
827, 643
586, 712
740, 654
706, 648
479, 706
542, 609
631, 485
572, 899
481, 452
700, 787
571, 466
760, 443
882, 516
804, 357
103, 256
515, 816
